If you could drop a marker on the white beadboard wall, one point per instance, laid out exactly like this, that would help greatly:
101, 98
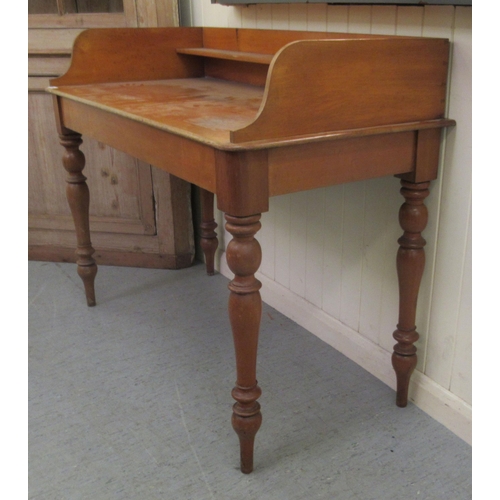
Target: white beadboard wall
329, 254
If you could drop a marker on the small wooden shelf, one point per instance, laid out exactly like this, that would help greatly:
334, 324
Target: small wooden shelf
230, 55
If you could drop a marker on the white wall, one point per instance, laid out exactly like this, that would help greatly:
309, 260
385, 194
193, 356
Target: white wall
329, 254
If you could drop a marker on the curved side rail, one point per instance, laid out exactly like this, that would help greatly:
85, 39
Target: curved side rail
318, 86
131, 54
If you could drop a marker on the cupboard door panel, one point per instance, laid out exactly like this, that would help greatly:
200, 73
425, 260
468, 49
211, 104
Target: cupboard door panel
121, 187
42, 6
138, 216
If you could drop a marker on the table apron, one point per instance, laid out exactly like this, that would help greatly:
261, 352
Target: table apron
320, 164
182, 157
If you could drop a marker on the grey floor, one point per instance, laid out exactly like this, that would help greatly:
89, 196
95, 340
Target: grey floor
131, 400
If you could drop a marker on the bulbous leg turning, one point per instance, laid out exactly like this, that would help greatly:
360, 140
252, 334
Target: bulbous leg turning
410, 267
245, 308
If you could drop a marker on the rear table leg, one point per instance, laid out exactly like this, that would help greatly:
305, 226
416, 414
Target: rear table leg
410, 267
208, 242
77, 193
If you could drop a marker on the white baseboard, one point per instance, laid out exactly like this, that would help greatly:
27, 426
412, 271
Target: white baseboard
435, 400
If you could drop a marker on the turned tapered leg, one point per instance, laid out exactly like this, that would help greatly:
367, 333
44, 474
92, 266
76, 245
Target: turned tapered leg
245, 308
410, 267
208, 240
77, 193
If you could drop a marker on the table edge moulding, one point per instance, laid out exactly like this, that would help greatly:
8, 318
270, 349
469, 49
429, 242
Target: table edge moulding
247, 114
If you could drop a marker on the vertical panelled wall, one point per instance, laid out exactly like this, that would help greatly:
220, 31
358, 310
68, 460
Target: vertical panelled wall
329, 254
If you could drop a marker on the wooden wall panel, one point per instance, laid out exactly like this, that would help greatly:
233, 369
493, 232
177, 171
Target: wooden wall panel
383, 20
461, 381
360, 17
454, 210
315, 231
350, 232
435, 22
94, 5
264, 16
337, 18
298, 243
410, 21
42, 7
267, 240
380, 205
332, 254
316, 17
51, 41
279, 16
297, 16
249, 17
282, 220
44, 65
352, 253
388, 276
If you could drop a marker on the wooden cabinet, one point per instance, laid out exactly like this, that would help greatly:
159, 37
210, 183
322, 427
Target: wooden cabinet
139, 216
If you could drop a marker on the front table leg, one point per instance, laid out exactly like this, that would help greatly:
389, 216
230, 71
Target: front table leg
410, 267
245, 309
77, 193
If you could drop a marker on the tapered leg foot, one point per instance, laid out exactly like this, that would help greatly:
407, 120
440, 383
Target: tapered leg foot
77, 193
403, 366
245, 308
246, 421
87, 273
208, 241
410, 266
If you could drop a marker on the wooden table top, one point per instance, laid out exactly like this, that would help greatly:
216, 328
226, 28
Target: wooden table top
203, 109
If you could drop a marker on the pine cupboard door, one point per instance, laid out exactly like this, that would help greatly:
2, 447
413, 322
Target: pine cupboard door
139, 216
